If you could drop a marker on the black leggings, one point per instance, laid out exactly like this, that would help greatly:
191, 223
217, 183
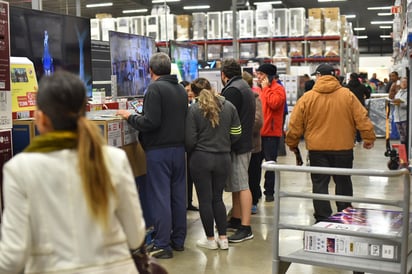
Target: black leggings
210, 172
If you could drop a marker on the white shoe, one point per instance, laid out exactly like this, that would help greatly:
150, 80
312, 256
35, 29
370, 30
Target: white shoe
223, 243
209, 244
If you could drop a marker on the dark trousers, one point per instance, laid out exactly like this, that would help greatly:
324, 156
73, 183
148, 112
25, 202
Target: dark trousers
270, 147
144, 196
320, 182
255, 173
210, 172
166, 185
189, 183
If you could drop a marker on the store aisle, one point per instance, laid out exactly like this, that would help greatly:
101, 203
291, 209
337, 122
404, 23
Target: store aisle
255, 256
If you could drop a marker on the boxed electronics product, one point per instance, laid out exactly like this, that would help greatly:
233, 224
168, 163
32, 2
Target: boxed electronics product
246, 24
263, 49
332, 48
199, 21
374, 221
247, 50
152, 27
315, 49
95, 31
214, 52
23, 132
264, 20
227, 24
138, 25
111, 128
281, 49
183, 26
296, 49
227, 51
331, 19
130, 134
123, 24
315, 22
297, 18
167, 26
214, 25
106, 25
280, 22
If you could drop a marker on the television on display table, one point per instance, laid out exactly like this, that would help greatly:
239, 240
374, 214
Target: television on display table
52, 42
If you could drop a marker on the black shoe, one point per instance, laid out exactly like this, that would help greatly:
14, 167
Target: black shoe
233, 224
269, 198
160, 253
192, 208
176, 247
242, 234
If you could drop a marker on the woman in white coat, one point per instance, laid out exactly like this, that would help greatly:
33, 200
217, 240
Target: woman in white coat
71, 203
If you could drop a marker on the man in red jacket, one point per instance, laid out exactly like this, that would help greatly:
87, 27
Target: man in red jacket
273, 97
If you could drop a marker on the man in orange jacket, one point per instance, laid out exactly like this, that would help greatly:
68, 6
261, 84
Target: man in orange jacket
273, 97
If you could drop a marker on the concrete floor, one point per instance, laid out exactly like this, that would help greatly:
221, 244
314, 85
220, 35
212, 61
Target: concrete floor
255, 256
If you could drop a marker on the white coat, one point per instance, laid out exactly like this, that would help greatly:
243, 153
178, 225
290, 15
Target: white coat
47, 227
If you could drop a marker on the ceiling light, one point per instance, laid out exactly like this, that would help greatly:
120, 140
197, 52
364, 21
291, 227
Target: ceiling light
331, 0
385, 27
109, 4
135, 11
269, 2
349, 16
384, 14
385, 36
163, 1
381, 22
200, 7
380, 8
359, 29
362, 37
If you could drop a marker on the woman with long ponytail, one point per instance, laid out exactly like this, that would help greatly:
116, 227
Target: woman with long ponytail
212, 126
71, 203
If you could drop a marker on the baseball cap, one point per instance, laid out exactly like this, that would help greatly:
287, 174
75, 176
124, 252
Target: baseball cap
324, 69
268, 69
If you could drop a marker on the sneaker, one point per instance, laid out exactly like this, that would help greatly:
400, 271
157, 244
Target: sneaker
223, 243
192, 208
209, 244
233, 224
254, 209
160, 253
242, 234
269, 198
176, 247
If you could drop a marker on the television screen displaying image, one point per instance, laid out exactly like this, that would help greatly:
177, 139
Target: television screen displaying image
185, 56
52, 42
130, 55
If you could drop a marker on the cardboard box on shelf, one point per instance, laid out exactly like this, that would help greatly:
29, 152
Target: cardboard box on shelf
199, 21
315, 22
246, 24
111, 128
183, 26
23, 132
297, 17
214, 25
331, 20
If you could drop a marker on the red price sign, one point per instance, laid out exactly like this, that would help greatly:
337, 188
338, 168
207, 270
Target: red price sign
396, 9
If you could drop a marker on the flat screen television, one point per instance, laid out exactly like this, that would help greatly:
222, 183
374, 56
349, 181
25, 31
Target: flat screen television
185, 56
130, 55
52, 42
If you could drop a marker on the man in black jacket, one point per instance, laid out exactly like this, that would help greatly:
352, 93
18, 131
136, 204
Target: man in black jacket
238, 92
162, 134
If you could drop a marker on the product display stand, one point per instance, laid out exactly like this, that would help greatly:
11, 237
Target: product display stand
281, 262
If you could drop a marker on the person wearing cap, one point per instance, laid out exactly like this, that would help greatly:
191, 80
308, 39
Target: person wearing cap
238, 92
328, 117
273, 97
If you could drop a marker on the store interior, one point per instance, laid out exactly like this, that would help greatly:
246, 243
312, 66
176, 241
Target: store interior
109, 44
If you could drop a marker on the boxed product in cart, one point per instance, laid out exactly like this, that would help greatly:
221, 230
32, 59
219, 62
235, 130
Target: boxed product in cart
373, 221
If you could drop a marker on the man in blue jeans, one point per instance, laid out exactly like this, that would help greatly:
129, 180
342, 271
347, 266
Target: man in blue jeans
161, 129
